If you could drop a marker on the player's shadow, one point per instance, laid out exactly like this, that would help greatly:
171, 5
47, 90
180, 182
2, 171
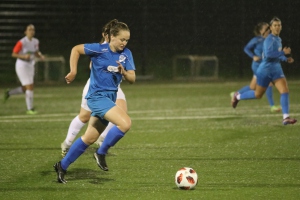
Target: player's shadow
92, 176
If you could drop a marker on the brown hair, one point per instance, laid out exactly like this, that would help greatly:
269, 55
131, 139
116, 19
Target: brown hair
258, 28
275, 19
106, 28
117, 27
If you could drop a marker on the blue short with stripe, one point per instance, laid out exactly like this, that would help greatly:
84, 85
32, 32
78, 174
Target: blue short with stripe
100, 103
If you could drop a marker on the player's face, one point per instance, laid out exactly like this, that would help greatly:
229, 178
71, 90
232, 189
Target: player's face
120, 41
276, 27
30, 31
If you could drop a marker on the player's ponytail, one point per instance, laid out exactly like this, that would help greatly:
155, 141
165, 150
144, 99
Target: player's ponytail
106, 29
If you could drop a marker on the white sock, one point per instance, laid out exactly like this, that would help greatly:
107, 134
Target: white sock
104, 133
17, 90
285, 116
29, 99
74, 128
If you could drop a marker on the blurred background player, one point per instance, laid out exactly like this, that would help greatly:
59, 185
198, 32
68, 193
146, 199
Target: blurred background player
110, 62
25, 51
270, 70
254, 50
85, 113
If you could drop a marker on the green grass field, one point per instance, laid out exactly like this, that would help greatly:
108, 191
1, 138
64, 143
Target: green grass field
238, 154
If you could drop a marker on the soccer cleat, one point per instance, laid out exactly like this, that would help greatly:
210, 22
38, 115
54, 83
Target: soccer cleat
64, 149
100, 159
6, 95
60, 173
234, 100
31, 112
99, 141
289, 120
275, 108
232, 94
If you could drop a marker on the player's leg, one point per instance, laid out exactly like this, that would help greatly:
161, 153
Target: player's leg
74, 128
25, 73
269, 94
282, 87
14, 91
122, 122
79, 146
121, 102
29, 99
251, 94
78, 122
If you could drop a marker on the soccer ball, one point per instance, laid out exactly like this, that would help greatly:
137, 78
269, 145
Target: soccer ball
186, 178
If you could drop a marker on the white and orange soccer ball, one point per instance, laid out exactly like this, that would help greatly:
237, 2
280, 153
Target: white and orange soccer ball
186, 178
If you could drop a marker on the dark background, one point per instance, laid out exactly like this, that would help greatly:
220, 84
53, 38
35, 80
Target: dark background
160, 29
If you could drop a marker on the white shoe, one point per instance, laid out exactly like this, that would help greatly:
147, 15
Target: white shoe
99, 141
64, 149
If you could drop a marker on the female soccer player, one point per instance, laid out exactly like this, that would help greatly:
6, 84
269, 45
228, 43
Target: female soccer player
25, 51
110, 62
254, 50
84, 115
270, 70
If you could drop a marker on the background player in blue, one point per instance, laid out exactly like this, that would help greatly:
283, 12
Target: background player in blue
254, 50
110, 62
270, 70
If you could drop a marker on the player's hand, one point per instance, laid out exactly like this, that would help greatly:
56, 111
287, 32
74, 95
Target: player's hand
26, 57
287, 50
290, 60
256, 58
70, 77
121, 68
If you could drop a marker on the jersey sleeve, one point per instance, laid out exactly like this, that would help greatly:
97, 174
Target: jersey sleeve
130, 62
18, 47
91, 49
248, 49
269, 51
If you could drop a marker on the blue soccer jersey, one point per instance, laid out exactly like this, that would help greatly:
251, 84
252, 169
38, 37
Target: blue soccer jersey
270, 68
255, 48
104, 76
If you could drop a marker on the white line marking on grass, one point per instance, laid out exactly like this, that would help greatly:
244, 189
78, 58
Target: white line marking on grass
142, 118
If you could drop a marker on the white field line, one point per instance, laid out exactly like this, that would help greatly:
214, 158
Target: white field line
66, 117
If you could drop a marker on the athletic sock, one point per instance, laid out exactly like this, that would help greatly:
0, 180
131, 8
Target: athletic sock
74, 128
284, 101
29, 99
112, 137
244, 89
269, 94
75, 151
248, 95
109, 126
17, 90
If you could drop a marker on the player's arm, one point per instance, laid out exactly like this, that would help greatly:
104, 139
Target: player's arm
271, 53
249, 48
39, 55
74, 57
128, 75
17, 49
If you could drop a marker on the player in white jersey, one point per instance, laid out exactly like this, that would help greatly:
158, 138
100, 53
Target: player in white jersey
85, 112
25, 51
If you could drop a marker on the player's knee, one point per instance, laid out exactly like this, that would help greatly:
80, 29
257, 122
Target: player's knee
124, 127
84, 117
258, 95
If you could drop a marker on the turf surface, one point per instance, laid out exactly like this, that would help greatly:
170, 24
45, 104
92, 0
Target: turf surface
244, 153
